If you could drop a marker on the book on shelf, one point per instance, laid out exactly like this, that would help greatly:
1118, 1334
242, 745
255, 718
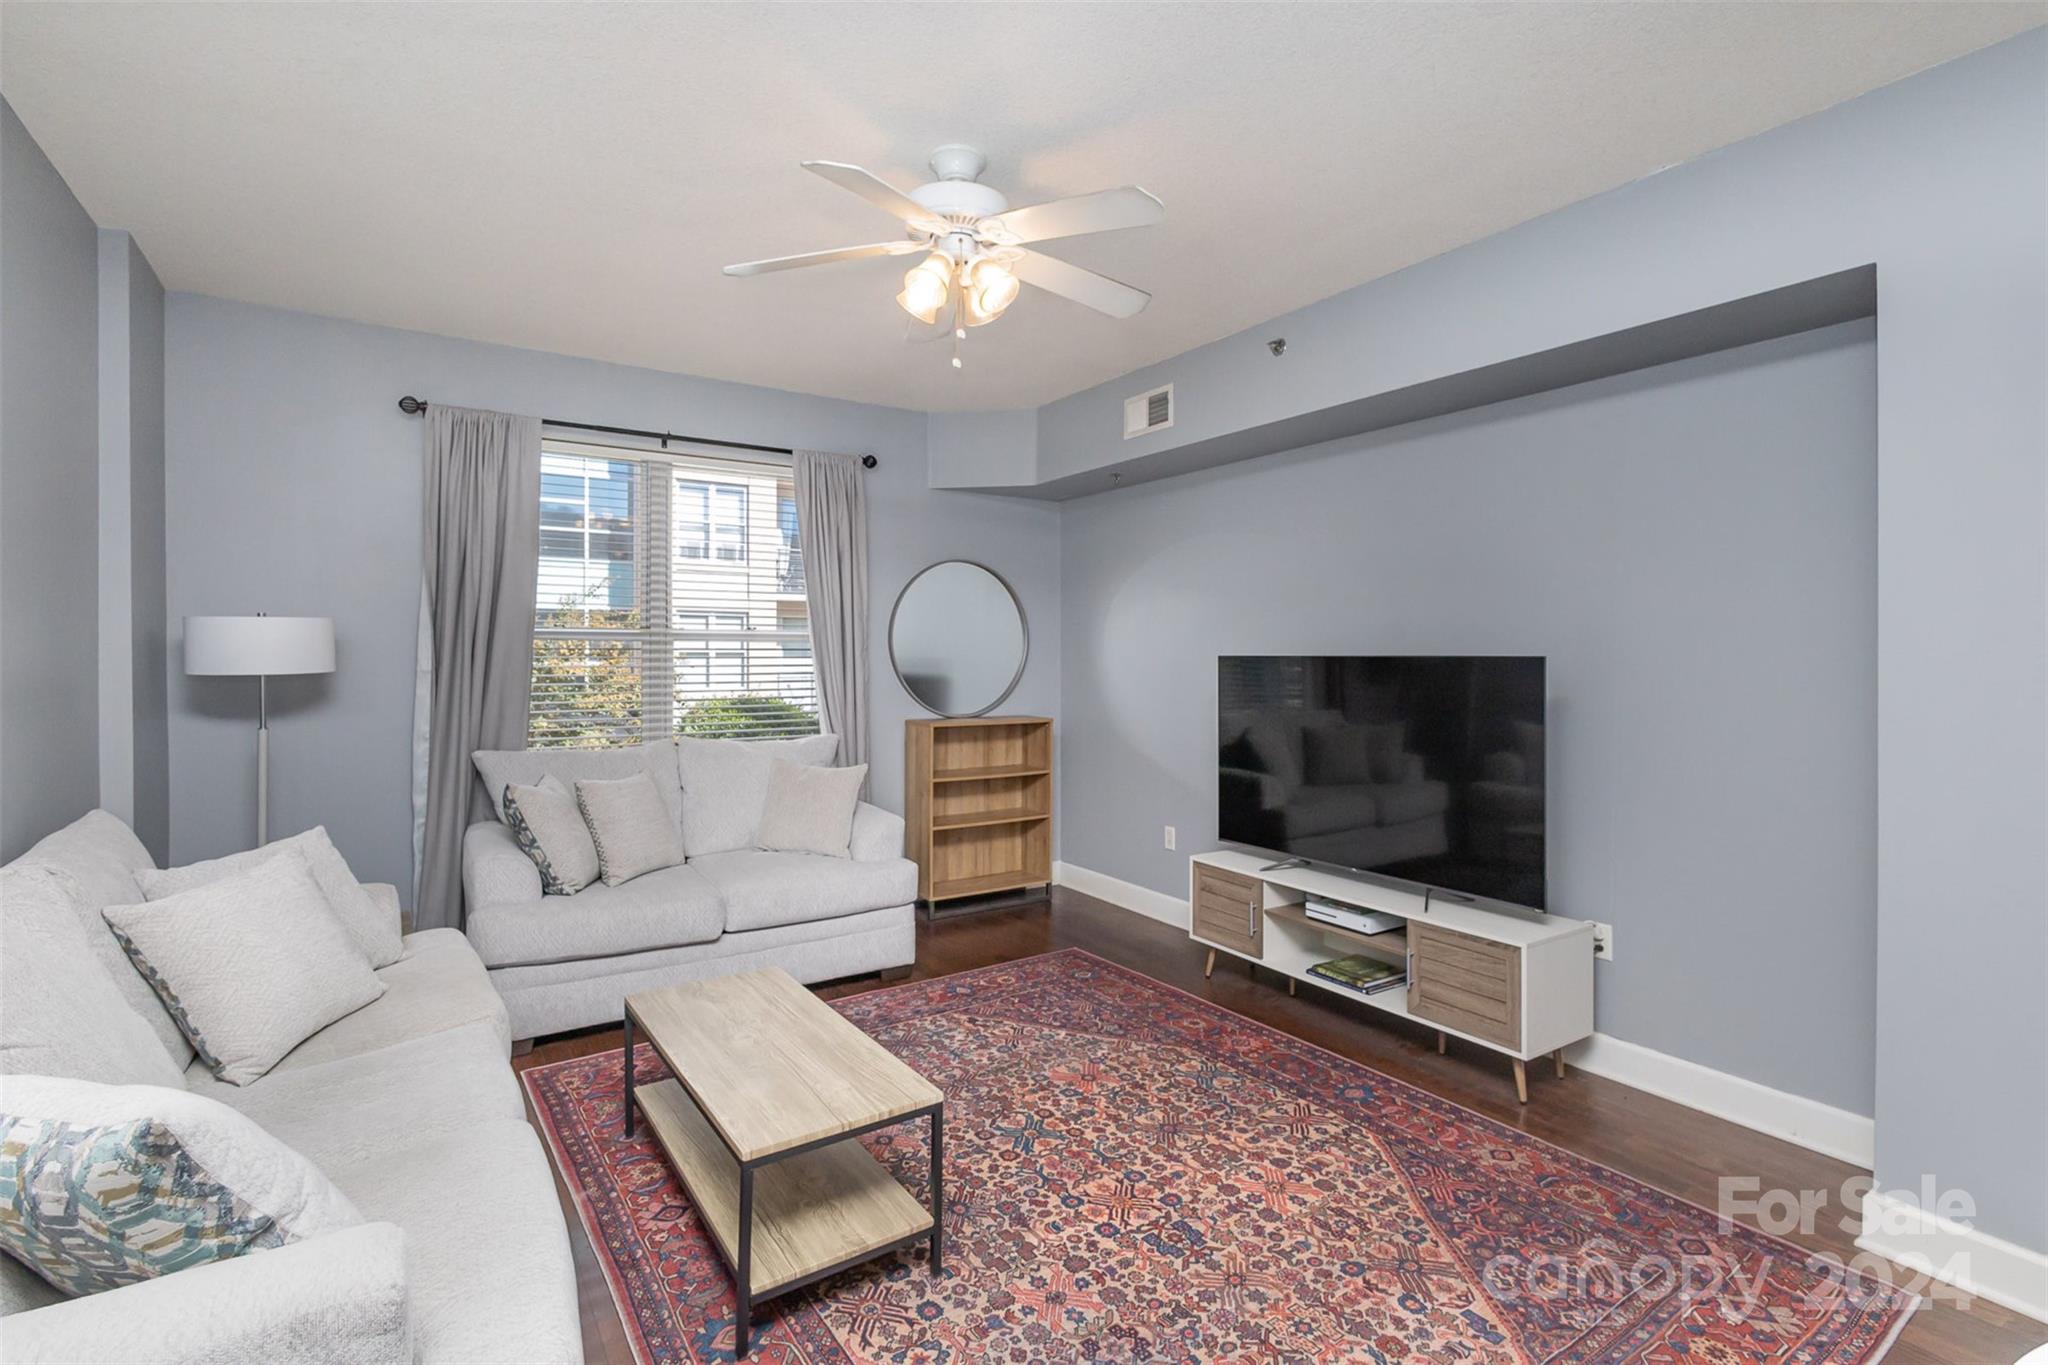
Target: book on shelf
1366, 975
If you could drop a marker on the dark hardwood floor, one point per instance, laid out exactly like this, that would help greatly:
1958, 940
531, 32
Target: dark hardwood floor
1660, 1143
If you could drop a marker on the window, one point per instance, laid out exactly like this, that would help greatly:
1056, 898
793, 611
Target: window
711, 521
651, 618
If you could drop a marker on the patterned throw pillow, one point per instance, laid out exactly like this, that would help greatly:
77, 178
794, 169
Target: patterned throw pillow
548, 824
103, 1186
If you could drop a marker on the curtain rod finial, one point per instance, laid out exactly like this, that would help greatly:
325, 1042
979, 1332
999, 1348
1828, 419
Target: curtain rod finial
411, 406
868, 462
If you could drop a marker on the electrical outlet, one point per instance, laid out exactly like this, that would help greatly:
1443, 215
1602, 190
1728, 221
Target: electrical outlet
1603, 941
1169, 836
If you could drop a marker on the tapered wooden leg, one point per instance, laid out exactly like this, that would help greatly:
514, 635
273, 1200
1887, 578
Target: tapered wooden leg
1521, 1081
1290, 985
899, 973
1443, 1041
1210, 966
1558, 1057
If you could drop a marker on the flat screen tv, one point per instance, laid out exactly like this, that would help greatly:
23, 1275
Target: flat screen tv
1425, 768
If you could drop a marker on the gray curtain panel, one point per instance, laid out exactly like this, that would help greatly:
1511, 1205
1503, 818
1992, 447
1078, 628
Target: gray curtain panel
832, 524
480, 560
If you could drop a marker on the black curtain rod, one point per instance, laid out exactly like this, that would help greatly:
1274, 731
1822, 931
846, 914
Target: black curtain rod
413, 407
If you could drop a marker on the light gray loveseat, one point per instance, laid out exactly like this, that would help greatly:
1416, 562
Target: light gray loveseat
410, 1107
568, 962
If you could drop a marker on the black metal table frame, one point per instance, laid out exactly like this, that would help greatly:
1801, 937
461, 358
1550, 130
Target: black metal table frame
742, 1264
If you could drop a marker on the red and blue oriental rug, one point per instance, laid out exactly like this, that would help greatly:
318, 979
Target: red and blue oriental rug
1133, 1174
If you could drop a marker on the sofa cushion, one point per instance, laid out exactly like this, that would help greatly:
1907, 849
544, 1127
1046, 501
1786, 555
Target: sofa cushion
103, 1186
251, 965
526, 767
99, 850
664, 909
104, 855
725, 783
63, 1015
488, 1267
374, 931
763, 889
350, 1109
439, 984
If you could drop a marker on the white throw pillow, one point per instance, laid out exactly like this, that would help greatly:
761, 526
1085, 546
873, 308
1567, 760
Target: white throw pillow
60, 1012
373, 927
548, 824
810, 810
725, 785
109, 1185
629, 823
250, 966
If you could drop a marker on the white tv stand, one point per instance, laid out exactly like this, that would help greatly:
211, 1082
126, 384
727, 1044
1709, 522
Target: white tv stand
1522, 988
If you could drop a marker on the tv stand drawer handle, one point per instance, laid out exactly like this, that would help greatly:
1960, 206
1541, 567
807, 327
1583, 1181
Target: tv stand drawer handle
1251, 921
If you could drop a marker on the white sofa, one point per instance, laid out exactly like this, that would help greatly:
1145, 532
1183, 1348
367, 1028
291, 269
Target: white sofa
568, 962
410, 1107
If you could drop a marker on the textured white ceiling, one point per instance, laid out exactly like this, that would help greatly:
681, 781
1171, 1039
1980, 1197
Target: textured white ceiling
571, 177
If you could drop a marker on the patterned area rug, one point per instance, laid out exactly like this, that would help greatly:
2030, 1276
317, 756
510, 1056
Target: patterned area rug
1133, 1174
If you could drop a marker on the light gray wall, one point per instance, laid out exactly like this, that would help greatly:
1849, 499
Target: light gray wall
134, 739
984, 449
294, 486
1941, 180
49, 743
1694, 549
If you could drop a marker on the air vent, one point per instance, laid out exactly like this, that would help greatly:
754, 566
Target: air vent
1148, 412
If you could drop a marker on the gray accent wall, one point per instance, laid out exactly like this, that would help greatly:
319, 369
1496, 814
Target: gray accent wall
293, 486
134, 740
49, 609
1694, 547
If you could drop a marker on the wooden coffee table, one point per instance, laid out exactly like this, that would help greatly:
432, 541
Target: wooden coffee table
771, 1088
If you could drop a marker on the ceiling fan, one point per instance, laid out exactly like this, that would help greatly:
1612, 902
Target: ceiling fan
975, 257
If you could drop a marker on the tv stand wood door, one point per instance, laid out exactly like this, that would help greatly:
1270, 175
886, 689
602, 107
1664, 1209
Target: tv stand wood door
1521, 988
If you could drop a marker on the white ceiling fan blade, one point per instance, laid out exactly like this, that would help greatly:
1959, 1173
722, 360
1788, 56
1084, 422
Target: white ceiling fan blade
844, 253
1084, 287
878, 192
1103, 211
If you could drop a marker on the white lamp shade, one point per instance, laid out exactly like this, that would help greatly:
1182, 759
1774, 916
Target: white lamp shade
248, 646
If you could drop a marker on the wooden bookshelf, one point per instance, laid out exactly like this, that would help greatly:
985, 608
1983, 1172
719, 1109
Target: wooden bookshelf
978, 805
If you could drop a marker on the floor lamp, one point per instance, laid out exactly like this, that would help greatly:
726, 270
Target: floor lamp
259, 647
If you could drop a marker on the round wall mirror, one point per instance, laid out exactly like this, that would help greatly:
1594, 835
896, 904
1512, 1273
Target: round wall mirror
957, 639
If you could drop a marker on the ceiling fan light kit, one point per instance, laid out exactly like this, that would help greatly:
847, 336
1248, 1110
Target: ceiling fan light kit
976, 260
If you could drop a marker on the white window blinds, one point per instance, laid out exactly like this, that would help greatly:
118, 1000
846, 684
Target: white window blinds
671, 599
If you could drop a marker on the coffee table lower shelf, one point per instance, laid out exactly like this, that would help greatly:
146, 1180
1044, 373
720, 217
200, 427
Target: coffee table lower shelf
815, 1213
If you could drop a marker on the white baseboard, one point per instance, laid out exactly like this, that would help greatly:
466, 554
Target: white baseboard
1977, 1263
1151, 904
1809, 1123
